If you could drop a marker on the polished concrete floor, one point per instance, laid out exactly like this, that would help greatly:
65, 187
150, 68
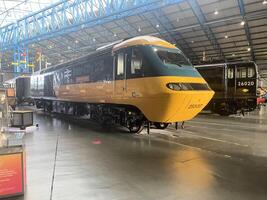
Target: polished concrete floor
212, 158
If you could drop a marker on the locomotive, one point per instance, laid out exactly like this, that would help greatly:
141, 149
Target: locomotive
128, 82
235, 85
21, 87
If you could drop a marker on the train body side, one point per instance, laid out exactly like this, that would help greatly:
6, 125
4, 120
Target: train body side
131, 76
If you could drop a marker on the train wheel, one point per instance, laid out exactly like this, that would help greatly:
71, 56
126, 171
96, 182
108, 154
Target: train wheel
161, 125
136, 127
223, 113
223, 109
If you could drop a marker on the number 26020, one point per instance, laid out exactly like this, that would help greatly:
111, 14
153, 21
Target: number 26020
245, 83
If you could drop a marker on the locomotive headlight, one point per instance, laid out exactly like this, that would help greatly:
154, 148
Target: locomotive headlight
245, 90
188, 86
174, 86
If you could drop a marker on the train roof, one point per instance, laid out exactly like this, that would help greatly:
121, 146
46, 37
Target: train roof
99, 51
143, 40
9, 81
221, 64
128, 42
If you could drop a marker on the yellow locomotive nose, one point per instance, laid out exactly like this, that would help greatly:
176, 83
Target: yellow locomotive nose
175, 102
182, 106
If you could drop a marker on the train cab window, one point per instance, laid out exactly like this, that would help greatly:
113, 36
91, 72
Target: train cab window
120, 64
241, 72
136, 63
230, 73
172, 58
251, 72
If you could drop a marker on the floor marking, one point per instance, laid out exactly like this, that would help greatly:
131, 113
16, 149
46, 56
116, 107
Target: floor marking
214, 123
194, 147
218, 140
227, 134
54, 169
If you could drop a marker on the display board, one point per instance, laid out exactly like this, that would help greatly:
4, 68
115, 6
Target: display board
12, 174
22, 118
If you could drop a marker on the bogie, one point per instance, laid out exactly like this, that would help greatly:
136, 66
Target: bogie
105, 115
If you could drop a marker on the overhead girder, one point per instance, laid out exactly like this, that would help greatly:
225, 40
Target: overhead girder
246, 27
164, 20
70, 16
203, 23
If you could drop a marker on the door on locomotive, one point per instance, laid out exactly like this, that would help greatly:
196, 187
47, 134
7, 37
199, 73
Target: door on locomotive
245, 79
128, 65
134, 69
242, 81
120, 61
231, 80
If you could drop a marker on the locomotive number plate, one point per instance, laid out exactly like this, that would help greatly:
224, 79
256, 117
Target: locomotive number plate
245, 83
194, 106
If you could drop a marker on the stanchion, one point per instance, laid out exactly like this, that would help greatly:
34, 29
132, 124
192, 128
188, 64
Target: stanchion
176, 125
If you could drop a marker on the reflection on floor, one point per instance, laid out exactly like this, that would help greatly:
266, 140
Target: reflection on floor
212, 158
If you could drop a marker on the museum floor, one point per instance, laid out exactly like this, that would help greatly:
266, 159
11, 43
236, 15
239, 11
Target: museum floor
213, 158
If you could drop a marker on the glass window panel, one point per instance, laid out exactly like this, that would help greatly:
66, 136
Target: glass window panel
230, 74
120, 64
172, 58
136, 62
241, 72
251, 72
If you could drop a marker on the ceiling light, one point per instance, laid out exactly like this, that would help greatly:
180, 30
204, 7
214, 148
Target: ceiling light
216, 12
139, 29
94, 39
192, 41
157, 26
233, 54
249, 49
264, 2
68, 47
226, 36
242, 23
115, 35
76, 41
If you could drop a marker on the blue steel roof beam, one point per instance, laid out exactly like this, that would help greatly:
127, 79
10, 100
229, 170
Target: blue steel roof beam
77, 41
73, 49
131, 27
128, 29
87, 34
160, 33
52, 50
202, 20
156, 22
109, 39
100, 33
164, 20
153, 22
247, 30
129, 8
